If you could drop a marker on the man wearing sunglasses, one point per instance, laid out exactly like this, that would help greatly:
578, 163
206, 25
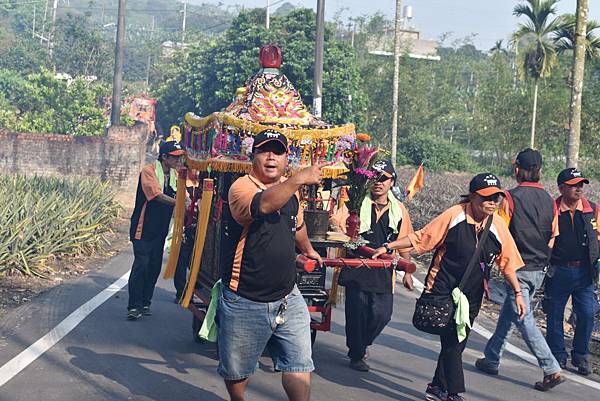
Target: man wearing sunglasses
529, 212
260, 305
369, 292
573, 270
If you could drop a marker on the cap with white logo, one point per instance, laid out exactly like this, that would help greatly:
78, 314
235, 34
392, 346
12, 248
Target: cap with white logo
485, 184
269, 135
571, 176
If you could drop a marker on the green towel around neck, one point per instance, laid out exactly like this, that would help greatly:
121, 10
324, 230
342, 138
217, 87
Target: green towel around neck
160, 174
461, 315
394, 213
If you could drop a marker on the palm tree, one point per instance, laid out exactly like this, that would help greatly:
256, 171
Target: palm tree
576, 33
534, 44
564, 39
498, 48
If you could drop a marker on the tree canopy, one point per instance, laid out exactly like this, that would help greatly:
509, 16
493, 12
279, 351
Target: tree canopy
208, 75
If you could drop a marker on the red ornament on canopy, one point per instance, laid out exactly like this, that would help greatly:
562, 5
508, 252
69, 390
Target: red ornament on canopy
270, 56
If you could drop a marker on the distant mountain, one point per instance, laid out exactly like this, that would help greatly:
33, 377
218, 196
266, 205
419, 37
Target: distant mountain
167, 14
284, 9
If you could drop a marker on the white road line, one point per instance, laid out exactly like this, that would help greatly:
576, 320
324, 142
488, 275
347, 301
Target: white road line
516, 350
34, 351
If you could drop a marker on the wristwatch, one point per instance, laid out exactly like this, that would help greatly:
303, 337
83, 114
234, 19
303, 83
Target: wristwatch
387, 247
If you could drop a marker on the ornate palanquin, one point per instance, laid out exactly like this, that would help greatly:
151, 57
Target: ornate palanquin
223, 140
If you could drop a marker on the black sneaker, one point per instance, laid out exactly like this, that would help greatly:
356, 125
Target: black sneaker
435, 393
562, 363
146, 311
359, 364
134, 314
582, 365
482, 365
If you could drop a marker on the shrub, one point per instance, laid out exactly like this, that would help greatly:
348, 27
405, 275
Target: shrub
43, 217
437, 154
40, 102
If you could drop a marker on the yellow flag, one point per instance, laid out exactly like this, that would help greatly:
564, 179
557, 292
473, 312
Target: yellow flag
416, 183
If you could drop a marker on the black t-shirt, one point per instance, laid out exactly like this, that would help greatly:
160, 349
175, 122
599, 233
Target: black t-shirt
372, 280
150, 218
259, 250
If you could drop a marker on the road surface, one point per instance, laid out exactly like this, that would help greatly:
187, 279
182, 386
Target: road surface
105, 357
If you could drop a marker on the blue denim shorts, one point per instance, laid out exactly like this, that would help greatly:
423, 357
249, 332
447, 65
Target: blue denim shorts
246, 328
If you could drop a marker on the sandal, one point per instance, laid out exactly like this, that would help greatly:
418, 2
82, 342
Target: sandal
549, 382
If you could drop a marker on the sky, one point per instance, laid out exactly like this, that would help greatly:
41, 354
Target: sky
489, 19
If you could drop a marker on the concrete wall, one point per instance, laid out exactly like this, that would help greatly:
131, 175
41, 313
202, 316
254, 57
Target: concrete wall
117, 156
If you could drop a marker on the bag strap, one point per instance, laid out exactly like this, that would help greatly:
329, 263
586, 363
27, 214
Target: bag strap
475, 257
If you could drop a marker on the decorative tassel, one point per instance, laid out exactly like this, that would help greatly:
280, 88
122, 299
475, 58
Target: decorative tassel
220, 165
177, 226
291, 132
336, 291
208, 186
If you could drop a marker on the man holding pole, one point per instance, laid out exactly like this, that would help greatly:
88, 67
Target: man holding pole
154, 203
369, 292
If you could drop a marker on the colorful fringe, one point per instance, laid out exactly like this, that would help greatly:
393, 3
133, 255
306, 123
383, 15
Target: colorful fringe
177, 228
291, 132
208, 186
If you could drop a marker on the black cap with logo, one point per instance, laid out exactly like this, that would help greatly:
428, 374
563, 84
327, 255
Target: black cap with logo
571, 176
172, 148
269, 135
485, 184
384, 167
529, 159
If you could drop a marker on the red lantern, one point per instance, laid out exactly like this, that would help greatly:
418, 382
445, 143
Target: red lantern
270, 56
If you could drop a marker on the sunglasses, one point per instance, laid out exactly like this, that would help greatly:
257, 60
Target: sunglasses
491, 198
383, 178
275, 149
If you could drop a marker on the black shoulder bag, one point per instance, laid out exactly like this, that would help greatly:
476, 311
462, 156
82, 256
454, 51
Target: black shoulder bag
435, 313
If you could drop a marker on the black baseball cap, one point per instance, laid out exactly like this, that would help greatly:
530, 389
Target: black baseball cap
385, 168
485, 184
172, 148
528, 159
571, 176
269, 135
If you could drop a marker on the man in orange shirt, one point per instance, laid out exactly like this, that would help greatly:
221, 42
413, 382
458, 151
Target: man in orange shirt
260, 305
154, 203
573, 264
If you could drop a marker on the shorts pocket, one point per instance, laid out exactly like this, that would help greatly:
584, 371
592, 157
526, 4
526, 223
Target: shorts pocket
229, 296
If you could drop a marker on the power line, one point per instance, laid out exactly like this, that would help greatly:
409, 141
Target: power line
20, 3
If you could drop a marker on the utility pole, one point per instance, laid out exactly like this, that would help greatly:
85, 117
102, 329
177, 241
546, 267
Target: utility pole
396, 82
53, 29
44, 23
183, 23
318, 77
268, 13
102, 14
33, 23
577, 87
149, 56
115, 111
